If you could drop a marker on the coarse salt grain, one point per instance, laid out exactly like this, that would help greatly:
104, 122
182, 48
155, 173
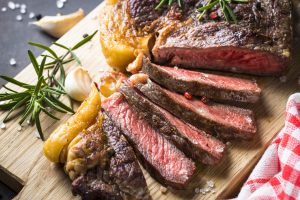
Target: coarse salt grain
31, 15
12, 62
59, 4
23, 6
28, 122
17, 5
19, 18
23, 11
3, 126
4, 9
228, 143
19, 129
210, 184
11, 5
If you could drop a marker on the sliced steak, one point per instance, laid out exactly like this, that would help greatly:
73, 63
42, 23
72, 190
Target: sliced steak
124, 168
195, 143
161, 158
120, 178
216, 87
226, 121
96, 184
259, 43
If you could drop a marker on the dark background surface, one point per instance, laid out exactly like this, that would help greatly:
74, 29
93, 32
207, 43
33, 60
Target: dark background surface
15, 35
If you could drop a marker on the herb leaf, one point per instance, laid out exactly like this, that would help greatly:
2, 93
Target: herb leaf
35, 98
225, 8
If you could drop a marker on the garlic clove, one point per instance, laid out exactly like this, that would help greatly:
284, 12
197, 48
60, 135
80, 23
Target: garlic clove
58, 25
78, 84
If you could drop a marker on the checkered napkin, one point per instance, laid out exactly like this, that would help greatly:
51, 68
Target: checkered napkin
277, 174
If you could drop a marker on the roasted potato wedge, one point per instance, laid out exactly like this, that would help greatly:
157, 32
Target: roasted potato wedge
55, 148
120, 44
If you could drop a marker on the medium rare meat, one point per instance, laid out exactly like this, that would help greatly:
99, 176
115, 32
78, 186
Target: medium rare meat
225, 121
195, 143
161, 158
259, 43
119, 177
216, 87
124, 168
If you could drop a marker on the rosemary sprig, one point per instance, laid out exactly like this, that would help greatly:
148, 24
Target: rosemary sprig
167, 2
225, 8
46, 92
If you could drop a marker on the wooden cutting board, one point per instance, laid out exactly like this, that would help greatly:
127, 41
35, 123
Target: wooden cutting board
24, 168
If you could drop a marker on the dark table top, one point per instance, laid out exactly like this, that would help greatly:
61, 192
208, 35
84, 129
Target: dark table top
15, 35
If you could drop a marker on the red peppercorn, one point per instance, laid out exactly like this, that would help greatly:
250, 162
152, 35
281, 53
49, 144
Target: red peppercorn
204, 99
188, 96
213, 15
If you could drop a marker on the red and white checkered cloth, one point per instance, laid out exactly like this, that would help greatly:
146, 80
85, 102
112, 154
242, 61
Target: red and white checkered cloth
277, 174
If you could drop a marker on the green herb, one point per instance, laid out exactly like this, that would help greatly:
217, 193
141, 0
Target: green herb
167, 2
46, 92
225, 8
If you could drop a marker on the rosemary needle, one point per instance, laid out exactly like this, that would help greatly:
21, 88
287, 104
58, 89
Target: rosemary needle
225, 8
46, 92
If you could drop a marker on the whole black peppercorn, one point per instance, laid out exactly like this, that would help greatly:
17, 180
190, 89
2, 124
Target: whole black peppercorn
38, 17
85, 35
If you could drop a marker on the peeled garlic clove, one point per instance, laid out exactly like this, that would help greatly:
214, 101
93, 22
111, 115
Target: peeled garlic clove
58, 25
78, 84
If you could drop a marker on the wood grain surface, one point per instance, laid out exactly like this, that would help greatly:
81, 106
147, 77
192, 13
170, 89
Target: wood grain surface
25, 169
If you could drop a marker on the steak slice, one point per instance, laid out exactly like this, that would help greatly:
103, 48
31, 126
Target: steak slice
195, 143
216, 87
120, 178
124, 168
161, 158
259, 43
96, 184
227, 122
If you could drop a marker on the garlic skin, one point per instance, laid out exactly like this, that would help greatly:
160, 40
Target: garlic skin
78, 84
57, 26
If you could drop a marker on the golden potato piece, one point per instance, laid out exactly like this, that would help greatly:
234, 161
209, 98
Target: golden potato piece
55, 148
120, 43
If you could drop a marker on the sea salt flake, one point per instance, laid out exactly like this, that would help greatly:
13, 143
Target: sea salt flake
2, 125
210, 184
11, 5
19, 18
23, 10
17, 5
4, 9
19, 129
283, 79
59, 4
12, 62
23, 6
31, 15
